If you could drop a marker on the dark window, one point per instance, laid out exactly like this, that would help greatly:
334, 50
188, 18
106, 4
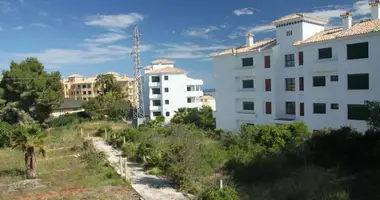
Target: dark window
319, 108
357, 112
88, 85
324, 53
334, 106
248, 105
268, 85
156, 114
319, 81
300, 58
301, 83
290, 84
83, 86
290, 108
166, 78
357, 51
167, 114
188, 100
84, 92
166, 89
302, 109
334, 78
247, 84
267, 61
166, 102
156, 102
156, 91
89, 92
289, 33
247, 62
85, 99
155, 79
188, 88
289, 60
268, 108
358, 81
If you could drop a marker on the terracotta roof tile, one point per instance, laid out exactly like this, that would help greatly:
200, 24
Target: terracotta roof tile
167, 70
162, 61
255, 47
363, 27
300, 16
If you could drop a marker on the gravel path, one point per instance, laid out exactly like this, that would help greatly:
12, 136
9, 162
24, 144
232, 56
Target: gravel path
148, 186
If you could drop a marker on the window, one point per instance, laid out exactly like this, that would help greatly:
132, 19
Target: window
188, 88
156, 114
89, 92
319, 81
84, 86
334, 106
324, 53
290, 84
357, 51
301, 83
167, 114
166, 78
319, 108
357, 112
300, 58
302, 109
268, 85
268, 108
188, 100
247, 84
85, 99
77, 92
289, 60
289, 33
334, 78
84, 92
155, 79
267, 61
166, 102
156, 102
248, 105
290, 108
166, 89
357, 81
247, 62
156, 91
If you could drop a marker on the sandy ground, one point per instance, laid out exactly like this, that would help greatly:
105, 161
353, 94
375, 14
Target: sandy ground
148, 186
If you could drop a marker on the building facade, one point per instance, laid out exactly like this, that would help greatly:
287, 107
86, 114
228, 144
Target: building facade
166, 89
308, 73
84, 88
208, 100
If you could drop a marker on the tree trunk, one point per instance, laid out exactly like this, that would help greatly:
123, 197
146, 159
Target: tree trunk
30, 163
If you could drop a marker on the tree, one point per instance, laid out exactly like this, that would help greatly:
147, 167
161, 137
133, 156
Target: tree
29, 138
108, 83
30, 88
373, 121
202, 118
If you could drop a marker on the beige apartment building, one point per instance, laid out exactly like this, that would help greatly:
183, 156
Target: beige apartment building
83, 88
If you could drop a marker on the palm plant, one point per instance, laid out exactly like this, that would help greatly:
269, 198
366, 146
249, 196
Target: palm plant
29, 138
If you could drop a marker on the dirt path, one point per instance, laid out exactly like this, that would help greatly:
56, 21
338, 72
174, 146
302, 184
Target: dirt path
148, 186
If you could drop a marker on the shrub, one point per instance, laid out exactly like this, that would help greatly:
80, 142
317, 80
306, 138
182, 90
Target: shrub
5, 133
130, 150
92, 158
100, 132
227, 193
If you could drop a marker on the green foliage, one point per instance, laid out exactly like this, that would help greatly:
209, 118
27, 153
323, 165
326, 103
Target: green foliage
202, 118
227, 193
101, 131
5, 134
92, 158
107, 83
67, 119
31, 89
130, 149
374, 115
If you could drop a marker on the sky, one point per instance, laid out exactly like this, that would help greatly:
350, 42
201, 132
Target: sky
91, 37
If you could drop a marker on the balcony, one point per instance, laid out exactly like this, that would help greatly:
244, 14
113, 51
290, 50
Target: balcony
155, 96
154, 84
325, 65
246, 93
246, 115
155, 108
194, 105
285, 119
194, 93
245, 71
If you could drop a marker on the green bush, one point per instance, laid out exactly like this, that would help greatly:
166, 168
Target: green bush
130, 150
5, 133
101, 131
227, 193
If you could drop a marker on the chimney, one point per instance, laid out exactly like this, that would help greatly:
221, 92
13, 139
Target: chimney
249, 39
347, 20
375, 8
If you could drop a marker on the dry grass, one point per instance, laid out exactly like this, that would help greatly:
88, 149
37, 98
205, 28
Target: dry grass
61, 171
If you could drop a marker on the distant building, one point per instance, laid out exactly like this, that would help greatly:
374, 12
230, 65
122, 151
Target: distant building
166, 89
83, 88
208, 100
68, 106
308, 73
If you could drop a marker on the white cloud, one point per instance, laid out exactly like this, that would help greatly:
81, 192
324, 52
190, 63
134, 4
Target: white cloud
242, 31
114, 21
361, 8
187, 51
107, 38
243, 11
19, 28
327, 14
200, 32
43, 13
5, 7
39, 25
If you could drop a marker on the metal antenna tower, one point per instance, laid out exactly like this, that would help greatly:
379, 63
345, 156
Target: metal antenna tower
138, 112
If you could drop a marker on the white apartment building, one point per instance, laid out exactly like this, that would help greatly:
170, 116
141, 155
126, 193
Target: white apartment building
166, 89
308, 73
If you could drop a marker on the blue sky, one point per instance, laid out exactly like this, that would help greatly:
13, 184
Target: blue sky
91, 37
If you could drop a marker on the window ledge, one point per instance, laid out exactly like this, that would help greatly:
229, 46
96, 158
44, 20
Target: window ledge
246, 111
247, 90
323, 60
247, 67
